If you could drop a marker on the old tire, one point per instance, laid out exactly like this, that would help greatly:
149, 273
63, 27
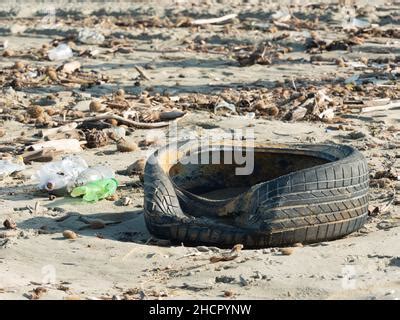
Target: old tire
314, 204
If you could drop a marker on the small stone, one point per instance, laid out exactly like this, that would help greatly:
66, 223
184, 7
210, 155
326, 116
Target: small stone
113, 122
35, 111
69, 234
137, 167
52, 74
272, 111
120, 94
96, 106
127, 146
19, 65
340, 62
228, 293
286, 251
8, 53
9, 224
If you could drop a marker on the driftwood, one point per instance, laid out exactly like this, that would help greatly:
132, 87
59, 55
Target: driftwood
214, 20
53, 131
63, 145
388, 106
128, 122
43, 155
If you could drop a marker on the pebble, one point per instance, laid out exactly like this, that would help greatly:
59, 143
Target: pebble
127, 146
69, 234
286, 251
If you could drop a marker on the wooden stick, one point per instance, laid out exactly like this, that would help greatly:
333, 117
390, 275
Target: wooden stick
380, 108
64, 145
141, 72
214, 20
52, 131
126, 121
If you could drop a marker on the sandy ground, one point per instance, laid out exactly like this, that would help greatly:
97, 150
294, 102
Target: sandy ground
123, 260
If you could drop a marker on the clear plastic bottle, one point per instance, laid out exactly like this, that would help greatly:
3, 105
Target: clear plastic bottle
57, 175
92, 174
61, 52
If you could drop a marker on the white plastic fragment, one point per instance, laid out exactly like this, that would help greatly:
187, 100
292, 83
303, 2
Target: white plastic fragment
226, 105
61, 52
9, 166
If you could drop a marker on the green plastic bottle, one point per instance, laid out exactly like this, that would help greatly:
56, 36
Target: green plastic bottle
96, 190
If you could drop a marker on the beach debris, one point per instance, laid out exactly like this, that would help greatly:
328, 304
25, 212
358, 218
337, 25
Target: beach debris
92, 174
225, 105
49, 133
90, 36
213, 20
96, 223
126, 201
64, 145
61, 52
37, 293
9, 166
227, 256
96, 138
123, 120
9, 224
96, 190
58, 174
142, 73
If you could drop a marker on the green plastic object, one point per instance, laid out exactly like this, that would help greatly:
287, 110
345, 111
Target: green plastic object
96, 190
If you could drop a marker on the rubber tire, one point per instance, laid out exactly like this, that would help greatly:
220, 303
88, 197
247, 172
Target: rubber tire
316, 204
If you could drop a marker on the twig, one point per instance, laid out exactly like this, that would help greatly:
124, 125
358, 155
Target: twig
141, 72
387, 205
214, 20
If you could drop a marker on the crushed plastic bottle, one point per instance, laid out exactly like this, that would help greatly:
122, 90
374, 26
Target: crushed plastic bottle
88, 36
59, 174
92, 174
10, 166
61, 52
96, 190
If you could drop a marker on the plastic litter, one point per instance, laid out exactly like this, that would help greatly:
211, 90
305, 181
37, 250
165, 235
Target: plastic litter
96, 190
10, 166
61, 52
88, 36
225, 105
59, 174
92, 174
